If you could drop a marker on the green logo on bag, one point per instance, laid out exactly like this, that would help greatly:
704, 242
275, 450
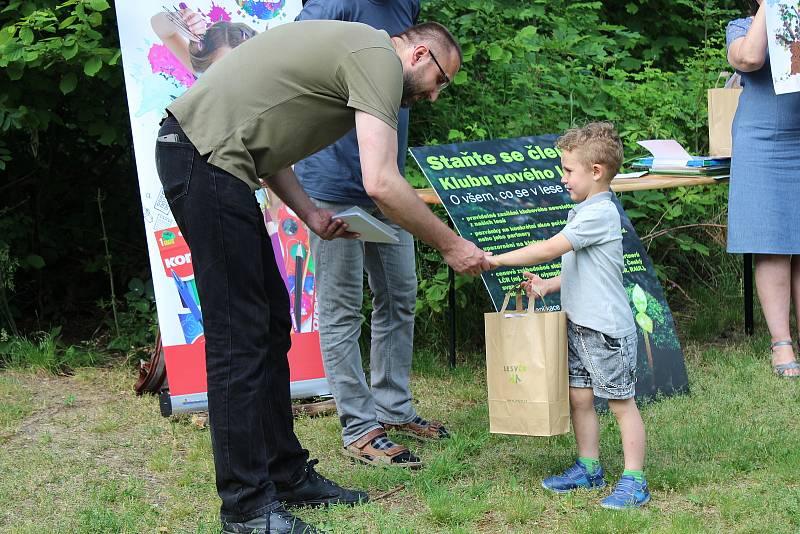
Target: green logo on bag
514, 372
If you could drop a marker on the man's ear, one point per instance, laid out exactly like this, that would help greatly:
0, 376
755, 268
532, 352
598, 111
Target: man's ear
418, 53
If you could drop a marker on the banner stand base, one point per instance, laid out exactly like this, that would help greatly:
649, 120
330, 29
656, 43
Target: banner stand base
164, 403
198, 402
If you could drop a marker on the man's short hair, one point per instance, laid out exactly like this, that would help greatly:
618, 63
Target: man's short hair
431, 32
595, 143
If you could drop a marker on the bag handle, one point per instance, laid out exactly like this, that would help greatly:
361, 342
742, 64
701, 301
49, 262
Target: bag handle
732, 81
722, 74
518, 293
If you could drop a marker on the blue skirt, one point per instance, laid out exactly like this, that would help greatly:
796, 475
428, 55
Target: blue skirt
764, 199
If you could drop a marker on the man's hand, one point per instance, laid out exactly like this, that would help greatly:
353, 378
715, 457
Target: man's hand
491, 262
535, 286
465, 258
284, 184
320, 222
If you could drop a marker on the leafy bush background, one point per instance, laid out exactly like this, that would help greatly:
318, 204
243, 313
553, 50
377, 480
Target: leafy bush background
531, 67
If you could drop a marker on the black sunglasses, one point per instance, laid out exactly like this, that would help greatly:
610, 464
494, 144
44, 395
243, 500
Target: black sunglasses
443, 85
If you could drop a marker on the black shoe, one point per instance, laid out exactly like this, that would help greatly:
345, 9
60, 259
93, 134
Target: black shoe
314, 489
278, 521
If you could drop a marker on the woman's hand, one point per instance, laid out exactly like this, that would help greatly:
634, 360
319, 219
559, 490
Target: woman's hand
194, 22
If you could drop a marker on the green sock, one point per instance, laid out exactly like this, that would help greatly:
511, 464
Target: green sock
591, 464
638, 475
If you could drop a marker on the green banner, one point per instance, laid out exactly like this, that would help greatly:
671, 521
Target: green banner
506, 193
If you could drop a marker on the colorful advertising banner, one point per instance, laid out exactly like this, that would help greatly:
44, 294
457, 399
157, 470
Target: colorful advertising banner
506, 193
165, 48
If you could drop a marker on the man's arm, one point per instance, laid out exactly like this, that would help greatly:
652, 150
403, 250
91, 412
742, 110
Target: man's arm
284, 183
377, 145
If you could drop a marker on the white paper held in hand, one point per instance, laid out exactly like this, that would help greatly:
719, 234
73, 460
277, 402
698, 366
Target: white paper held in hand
369, 228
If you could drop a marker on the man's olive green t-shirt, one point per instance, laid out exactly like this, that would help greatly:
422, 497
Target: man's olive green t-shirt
289, 92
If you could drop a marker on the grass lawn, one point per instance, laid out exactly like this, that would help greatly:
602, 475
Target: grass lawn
83, 454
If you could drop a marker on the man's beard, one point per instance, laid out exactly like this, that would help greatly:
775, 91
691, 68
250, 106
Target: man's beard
411, 90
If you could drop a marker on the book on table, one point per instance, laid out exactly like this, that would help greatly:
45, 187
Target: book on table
669, 157
684, 171
368, 227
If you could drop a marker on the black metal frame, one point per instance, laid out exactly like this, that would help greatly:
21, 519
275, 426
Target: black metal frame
748, 293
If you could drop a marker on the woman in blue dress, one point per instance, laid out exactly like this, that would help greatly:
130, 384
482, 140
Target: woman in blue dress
763, 216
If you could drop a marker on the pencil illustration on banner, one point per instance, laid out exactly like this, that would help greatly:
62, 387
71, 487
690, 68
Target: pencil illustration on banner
297, 257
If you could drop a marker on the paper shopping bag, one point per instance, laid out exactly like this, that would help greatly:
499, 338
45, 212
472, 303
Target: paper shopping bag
722, 103
526, 371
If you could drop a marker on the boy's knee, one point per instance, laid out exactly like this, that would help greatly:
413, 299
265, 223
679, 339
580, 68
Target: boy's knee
581, 398
622, 406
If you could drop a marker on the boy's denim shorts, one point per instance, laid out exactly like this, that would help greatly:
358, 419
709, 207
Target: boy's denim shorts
603, 363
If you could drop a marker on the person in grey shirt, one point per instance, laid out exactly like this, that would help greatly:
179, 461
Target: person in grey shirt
601, 334
332, 178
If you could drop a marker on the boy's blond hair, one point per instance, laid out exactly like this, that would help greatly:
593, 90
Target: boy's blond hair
595, 143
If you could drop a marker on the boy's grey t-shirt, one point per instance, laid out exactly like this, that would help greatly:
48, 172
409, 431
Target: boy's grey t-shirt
592, 294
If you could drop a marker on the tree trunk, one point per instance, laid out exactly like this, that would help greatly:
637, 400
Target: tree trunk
794, 48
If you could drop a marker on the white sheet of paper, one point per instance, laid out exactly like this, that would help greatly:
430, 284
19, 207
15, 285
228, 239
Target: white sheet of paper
623, 176
666, 152
782, 16
370, 228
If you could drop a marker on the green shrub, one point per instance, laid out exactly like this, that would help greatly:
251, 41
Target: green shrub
530, 67
45, 351
539, 67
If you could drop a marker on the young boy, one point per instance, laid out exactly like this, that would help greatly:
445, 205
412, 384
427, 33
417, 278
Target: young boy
601, 332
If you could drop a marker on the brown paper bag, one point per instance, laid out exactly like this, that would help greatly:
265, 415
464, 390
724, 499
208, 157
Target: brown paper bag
722, 103
526, 371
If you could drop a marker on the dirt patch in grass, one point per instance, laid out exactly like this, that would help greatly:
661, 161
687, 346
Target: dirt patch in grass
58, 399
81, 432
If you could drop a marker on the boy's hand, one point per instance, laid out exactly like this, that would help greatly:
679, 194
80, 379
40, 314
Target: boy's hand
492, 261
534, 286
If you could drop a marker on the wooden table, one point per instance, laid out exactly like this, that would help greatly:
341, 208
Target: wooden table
643, 183
646, 182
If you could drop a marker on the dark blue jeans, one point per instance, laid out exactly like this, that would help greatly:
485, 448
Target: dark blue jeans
247, 327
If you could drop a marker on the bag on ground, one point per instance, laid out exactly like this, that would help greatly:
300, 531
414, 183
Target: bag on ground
526, 371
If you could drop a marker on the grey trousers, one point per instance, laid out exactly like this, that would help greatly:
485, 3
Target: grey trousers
391, 272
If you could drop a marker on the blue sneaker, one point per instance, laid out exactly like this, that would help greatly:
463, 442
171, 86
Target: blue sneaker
627, 494
573, 478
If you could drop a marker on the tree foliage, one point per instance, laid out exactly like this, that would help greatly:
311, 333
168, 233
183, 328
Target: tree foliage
530, 67
544, 65
65, 134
